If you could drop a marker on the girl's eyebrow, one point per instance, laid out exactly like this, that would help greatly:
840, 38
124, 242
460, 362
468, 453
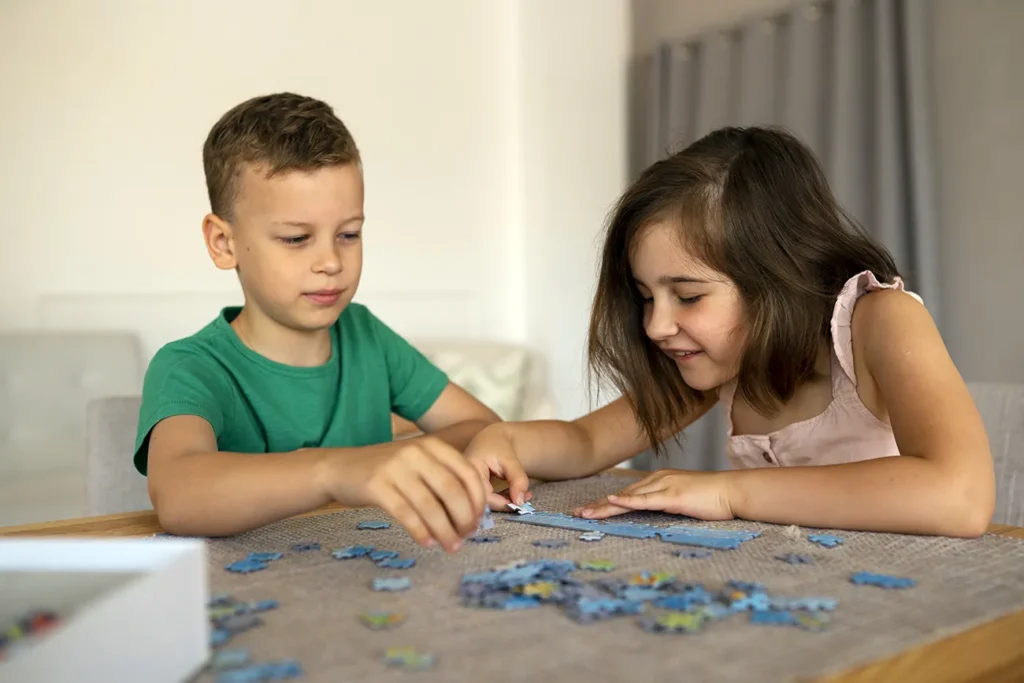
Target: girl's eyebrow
676, 279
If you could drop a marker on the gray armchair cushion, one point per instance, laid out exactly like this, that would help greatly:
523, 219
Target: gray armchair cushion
112, 483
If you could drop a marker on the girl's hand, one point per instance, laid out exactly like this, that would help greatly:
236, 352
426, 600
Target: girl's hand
703, 495
493, 453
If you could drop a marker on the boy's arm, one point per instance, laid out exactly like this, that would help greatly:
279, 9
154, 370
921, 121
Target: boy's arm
941, 483
456, 417
198, 490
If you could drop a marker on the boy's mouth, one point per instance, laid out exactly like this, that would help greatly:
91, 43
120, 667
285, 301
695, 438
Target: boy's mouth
324, 297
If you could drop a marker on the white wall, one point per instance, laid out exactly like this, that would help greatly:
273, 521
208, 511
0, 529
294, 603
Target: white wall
492, 134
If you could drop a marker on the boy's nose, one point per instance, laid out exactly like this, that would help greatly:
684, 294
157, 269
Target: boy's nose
329, 263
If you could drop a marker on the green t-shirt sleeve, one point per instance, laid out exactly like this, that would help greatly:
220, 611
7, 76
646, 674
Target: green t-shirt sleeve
180, 382
415, 382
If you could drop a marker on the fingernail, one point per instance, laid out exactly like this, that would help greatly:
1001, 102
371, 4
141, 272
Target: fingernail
456, 546
430, 543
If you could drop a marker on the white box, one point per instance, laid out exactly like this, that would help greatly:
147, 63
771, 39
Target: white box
132, 609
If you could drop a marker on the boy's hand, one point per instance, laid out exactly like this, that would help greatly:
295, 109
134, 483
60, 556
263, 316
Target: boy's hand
493, 452
424, 483
703, 495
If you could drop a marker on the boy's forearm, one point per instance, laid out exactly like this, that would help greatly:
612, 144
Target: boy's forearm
459, 435
222, 494
900, 494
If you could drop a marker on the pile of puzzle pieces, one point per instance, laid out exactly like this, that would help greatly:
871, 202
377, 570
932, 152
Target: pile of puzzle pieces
229, 617
686, 606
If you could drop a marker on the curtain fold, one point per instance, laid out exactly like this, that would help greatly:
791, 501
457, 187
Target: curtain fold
850, 78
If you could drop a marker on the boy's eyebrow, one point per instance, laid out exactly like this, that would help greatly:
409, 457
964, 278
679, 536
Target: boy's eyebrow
310, 226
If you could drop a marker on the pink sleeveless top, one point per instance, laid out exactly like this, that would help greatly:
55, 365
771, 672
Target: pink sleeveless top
846, 431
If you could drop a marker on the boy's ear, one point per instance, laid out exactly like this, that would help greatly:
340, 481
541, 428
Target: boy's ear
219, 242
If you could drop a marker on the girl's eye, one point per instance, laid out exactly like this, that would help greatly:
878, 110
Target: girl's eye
298, 239
690, 300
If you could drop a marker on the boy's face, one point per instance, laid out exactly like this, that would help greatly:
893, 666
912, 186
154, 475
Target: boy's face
296, 241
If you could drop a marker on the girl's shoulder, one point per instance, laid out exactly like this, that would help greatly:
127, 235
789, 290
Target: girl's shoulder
842, 313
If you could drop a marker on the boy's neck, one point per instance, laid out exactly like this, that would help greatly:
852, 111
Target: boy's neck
281, 344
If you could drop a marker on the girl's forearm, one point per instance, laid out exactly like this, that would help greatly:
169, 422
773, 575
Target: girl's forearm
901, 494
551, 449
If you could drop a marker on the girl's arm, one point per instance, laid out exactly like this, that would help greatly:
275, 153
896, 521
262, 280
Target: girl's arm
943, 480
554, 450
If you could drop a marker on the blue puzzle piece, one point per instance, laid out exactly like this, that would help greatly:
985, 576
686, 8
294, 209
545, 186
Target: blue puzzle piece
388, 584
305, 547
881, 580
524, 509
795, 558
825, 540
551, 543
772, 618
809, 604
378, 555
373, 524
219, 636
229, 659
268, 671
487, 521
265, 557
246, 566
484, 539
397, 563
352, 551
591, 536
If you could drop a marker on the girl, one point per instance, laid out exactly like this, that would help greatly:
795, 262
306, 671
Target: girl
729, 273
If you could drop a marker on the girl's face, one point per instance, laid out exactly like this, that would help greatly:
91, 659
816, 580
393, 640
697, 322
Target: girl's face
691, 312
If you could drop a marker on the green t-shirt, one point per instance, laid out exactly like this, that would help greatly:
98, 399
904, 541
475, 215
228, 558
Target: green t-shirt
256, 405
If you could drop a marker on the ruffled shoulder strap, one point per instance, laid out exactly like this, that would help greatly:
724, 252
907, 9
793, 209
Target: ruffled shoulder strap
842, 314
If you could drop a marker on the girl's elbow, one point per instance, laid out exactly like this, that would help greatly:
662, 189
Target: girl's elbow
972, 504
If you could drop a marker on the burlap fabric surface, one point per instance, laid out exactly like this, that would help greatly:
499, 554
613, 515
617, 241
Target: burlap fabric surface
961, 583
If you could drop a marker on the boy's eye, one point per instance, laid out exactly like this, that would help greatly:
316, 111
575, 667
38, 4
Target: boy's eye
297, 239
349, 236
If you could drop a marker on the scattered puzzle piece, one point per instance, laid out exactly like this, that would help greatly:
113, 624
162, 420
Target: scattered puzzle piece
551, 543
397, 563
378, 555
246, 566
219, 636
591, 536
229, 659
598, 565
264, 557
692, 554
825, 540
795, 558
305, 547
381, 620
484, 539
882, 580
487, 521
373, 524
524, 509
409, 658
673, 622
389, 584
268, 671
351, 552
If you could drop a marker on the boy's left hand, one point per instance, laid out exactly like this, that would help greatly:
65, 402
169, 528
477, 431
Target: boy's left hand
703, 495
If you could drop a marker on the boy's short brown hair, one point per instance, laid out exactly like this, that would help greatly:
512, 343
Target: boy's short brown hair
282, 132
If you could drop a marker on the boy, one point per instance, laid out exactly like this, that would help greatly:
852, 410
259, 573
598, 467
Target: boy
284, 404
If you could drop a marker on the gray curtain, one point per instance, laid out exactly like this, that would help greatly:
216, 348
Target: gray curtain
850, 77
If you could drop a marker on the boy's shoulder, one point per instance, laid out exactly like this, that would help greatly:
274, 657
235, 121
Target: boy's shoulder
200, 348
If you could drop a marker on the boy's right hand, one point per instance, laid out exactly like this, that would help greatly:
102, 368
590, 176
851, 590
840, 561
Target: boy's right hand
492, 452
423, 483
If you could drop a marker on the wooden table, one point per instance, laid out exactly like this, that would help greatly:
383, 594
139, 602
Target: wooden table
990, 653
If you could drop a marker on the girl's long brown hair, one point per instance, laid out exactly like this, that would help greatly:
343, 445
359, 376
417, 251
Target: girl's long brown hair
754, 204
